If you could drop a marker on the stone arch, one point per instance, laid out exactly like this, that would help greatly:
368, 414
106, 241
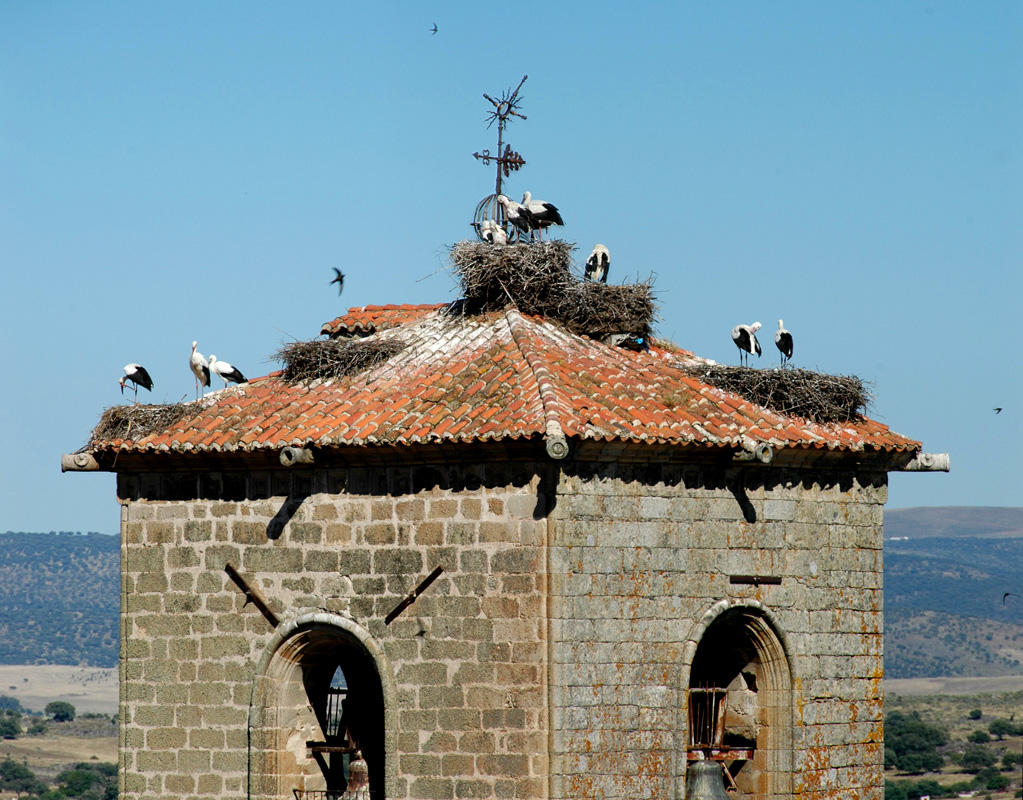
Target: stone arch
738, 645
286, 709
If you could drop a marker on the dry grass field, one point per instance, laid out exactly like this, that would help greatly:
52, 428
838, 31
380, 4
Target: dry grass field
91, 690
49, 754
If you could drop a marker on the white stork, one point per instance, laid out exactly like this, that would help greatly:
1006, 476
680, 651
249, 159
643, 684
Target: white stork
783, 339
518, 215
229, 373
598, 264
544, 214
493, 233
200, 368
137, 374
745, 338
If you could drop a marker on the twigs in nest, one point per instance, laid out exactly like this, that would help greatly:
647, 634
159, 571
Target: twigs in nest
796, 392
135, 422
537, 279
334, 358
527, 274
599, 309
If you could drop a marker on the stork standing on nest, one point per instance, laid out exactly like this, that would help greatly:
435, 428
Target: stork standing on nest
493, 233
745, 338
138, 376
228, 372
598, 264
518, 215
200, 368
544, 214
783, 339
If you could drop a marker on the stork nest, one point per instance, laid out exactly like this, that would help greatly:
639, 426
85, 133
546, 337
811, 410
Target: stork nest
796, 392
537, 279
334, 358
136, 422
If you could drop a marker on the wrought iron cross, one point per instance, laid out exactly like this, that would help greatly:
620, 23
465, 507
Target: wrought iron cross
508, 161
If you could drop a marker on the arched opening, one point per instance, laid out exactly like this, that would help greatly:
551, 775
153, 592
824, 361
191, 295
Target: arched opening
318, 700
739, 702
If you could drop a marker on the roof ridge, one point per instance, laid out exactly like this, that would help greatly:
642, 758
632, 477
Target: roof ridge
553, 412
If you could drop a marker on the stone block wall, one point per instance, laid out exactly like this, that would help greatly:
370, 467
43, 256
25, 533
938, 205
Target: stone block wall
552, 657
642, 564
464, 664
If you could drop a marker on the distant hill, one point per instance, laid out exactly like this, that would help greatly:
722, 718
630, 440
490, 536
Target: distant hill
946, 569
960, 522
945, 572
59, 598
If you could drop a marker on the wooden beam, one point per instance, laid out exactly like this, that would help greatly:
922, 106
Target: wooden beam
756, 580
252, 595
422, 587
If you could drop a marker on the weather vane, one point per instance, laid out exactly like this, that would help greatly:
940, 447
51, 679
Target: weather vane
508, 161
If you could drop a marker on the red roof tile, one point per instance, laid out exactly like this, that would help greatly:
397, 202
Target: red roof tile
371, 319
501, 375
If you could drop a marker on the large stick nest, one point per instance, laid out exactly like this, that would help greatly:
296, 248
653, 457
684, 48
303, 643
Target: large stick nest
135, 422
537, 279
796, 392
334, 358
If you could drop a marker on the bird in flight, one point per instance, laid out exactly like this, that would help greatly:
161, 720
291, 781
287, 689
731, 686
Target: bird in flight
998, 409
433, 30
339, 279
1007, 594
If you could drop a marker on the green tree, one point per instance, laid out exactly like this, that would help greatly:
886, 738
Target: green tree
10, 704
88, 781
975, 758
1001, 728
60, 711
894, 791
997, 783
978, 737
10, 727
914, 742
975, 714
15, 777
76, 782
927, 786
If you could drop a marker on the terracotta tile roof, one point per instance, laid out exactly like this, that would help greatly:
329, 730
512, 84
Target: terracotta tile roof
371, 319
501, 375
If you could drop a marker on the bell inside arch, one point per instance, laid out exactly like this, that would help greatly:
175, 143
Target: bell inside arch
358, 779
705, 780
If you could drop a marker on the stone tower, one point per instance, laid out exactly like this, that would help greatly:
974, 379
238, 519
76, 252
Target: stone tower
638, 571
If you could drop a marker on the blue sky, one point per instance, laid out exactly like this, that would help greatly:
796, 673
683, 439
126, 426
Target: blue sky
191, 170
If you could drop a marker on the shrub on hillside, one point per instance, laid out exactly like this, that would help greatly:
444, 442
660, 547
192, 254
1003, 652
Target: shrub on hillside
15, 777
1001, 728
914, 742
976, 758
10, 726
10, 704
60, 711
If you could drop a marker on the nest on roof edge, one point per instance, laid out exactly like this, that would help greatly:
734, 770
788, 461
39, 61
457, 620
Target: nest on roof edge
796, 392
334, 358
135, 422
537, 279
